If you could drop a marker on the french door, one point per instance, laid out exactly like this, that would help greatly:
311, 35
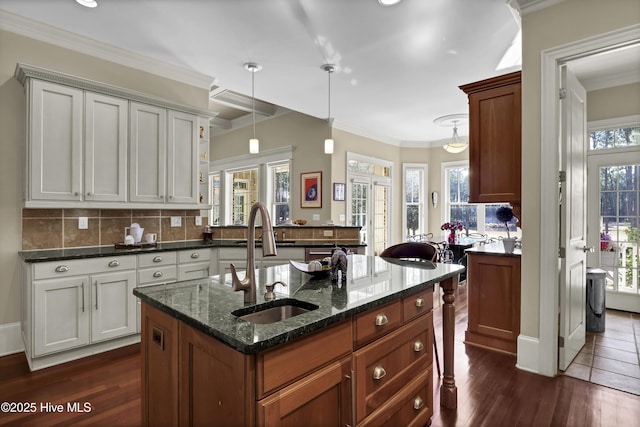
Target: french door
370, 209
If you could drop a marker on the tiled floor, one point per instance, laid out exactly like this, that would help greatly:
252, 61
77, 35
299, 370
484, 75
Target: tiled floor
611, 358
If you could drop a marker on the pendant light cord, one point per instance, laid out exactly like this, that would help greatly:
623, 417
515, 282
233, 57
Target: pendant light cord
329, 104
253, 101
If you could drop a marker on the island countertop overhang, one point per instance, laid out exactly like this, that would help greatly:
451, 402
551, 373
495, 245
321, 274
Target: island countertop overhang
206, 304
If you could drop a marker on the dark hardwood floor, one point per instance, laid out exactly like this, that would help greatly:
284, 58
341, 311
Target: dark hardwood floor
491, 391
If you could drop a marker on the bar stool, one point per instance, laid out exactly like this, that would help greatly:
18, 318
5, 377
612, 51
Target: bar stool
416, 251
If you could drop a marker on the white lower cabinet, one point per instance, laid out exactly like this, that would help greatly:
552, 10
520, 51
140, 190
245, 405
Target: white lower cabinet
75, 308
194, 264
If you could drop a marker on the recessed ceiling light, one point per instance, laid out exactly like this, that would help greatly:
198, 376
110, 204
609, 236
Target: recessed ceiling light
388, 2
87, 3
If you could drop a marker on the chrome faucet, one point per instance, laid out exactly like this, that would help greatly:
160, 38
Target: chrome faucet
249, 284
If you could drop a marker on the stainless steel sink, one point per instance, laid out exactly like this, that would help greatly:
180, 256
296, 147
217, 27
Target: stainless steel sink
274, 311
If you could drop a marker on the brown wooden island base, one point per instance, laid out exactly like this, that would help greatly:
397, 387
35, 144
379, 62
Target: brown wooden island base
351, 373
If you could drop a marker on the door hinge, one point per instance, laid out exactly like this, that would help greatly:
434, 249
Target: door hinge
562, 253
562, 176
561, 342
562, 93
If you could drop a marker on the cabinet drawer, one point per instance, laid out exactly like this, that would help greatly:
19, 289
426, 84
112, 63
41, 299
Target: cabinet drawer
383, 368
74, 267
161, 274
286, 363
417, 304
412, 407
194, 255
377, 322
156, 259
193, 270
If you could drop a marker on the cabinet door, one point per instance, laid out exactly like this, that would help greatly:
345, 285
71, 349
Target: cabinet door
147, 153
113, 305
494, 301
55, 142
182, 156
61, 314
105, 158
320, 399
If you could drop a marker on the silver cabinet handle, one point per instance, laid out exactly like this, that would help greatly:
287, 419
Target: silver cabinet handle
114, 263
96, 294
89, 193
157, 259
195, 255
62, 269
418, 346
418, 403
157, 274
381, 319
379, 372
589, 249
419, 302
353, 399
82, 290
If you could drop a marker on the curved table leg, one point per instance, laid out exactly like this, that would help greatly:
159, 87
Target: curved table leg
448, 389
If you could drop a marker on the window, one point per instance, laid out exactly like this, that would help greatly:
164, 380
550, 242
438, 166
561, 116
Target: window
280, 177
476, 217
415, 211
616, 212
614, 138
237, 183
244, 194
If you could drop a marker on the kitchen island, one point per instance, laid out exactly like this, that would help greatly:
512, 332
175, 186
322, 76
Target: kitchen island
361, 354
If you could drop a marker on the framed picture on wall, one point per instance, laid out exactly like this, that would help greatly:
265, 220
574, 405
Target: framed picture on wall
311, 190
338, 191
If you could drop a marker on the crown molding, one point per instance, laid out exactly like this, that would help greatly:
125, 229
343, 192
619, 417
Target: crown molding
48, 34
240, 102
24, 72
525, 7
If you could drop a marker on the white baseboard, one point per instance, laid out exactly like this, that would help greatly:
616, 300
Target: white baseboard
10, 339
528, 350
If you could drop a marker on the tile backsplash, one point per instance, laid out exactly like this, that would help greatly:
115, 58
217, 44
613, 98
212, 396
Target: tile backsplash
58, 228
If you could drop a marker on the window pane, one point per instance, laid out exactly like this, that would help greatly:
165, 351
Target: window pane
244, 194
613, 138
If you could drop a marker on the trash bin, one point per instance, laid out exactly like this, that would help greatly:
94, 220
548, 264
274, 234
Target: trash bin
596, 292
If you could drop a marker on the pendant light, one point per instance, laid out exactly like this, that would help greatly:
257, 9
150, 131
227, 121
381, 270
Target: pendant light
254, 143
457, 144
328, 143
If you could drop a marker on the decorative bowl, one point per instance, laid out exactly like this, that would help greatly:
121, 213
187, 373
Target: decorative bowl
301, 266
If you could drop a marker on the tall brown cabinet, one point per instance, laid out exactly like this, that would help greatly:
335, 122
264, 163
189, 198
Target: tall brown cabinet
495, 140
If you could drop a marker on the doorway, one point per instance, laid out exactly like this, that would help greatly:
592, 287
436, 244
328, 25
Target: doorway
547, 346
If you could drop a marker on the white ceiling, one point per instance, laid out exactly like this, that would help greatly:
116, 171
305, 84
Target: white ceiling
398, 67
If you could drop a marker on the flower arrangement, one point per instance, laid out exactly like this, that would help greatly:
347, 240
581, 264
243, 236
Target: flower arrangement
452, 226
505, 214
605, 241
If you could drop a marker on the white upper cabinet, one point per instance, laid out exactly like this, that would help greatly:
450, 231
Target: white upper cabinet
182, 158
54, 160
92, 145
105, 142
148, 151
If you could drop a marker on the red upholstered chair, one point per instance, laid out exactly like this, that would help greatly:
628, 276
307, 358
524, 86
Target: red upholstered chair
415, 251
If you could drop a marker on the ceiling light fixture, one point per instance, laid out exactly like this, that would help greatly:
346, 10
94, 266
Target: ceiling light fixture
457, 144
328, 143
87, 3
253, 68
388, 2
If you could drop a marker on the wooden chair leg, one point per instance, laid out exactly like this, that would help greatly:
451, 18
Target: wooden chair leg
435, 347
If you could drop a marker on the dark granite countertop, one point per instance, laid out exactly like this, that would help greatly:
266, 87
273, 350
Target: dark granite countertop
104, 251
496, 249
206, 304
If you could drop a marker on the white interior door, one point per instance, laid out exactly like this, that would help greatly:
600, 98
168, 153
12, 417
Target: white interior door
572, 220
